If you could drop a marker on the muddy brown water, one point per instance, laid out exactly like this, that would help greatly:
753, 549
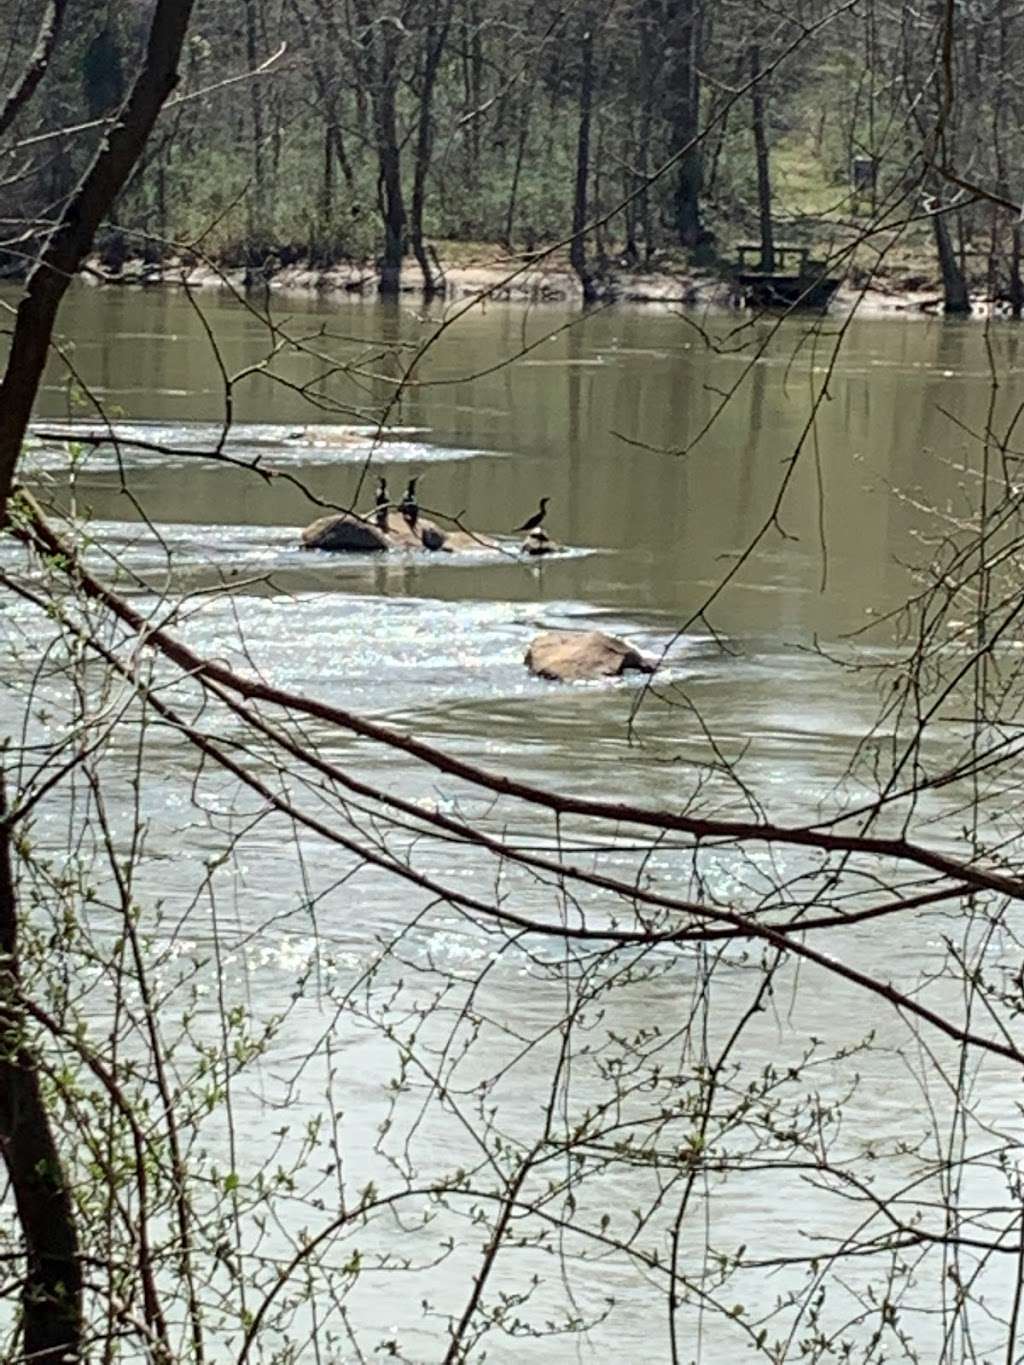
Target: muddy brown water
661, 442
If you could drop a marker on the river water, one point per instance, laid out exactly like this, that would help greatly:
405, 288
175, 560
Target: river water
662, 442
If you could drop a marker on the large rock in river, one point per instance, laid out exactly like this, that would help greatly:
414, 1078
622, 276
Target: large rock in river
573, 655
342, 531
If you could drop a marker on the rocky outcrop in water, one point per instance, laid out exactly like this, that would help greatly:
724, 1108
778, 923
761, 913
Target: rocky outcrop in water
576, 655
343, 532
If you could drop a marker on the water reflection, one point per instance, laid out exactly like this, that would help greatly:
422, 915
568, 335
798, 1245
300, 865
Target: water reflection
668, 519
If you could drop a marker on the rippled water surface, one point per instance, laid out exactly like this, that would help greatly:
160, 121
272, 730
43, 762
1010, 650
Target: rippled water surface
654, 492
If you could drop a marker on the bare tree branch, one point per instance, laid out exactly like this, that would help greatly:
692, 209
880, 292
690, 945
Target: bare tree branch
35, 69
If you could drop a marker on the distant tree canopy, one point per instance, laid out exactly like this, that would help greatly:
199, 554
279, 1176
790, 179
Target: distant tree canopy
385, 128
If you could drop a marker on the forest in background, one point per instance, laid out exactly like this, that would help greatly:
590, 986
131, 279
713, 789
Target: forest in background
445, 129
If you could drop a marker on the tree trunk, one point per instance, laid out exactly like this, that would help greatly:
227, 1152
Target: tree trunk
161, 200
764, 184
631, 249
378, 44
578, 248
51, 1296
389, 156
256, 199
103, 78
325, 214
1001, 107
435, 37
686, 26
521, 140
954, 286
600, 229
650, 59
392, 203
871, 65
476, 67
1016, 289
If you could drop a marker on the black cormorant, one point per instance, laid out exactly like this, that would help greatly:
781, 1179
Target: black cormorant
533, 523
382, 503
409, 507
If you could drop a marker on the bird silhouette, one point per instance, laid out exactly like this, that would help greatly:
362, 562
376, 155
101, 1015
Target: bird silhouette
409, 507
382, 503
533, 523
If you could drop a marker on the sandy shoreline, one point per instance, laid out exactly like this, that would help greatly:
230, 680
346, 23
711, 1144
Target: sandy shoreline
501, 282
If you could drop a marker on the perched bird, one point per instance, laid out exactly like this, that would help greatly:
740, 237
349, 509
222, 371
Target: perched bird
409, 507
382, 503
533, 523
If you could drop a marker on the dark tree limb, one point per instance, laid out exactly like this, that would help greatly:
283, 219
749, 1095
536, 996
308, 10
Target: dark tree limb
52, 1291
72, 238
35, 68
51, 1296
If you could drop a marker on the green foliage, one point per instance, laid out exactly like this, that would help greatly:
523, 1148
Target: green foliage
287, 166
245, 172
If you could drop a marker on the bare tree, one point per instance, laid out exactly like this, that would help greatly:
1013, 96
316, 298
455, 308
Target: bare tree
580, 203
684, 25
381, 42
52, 1286
764, 185
436, 19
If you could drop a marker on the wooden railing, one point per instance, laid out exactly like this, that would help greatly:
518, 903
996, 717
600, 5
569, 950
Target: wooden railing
746, 249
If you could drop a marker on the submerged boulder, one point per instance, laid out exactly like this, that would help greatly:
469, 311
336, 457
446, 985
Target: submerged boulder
574, 655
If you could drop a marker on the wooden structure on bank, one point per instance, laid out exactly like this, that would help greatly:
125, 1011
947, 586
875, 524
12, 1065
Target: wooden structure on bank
805, 287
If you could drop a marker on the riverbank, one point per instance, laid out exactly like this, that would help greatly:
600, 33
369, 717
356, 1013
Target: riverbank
510, 279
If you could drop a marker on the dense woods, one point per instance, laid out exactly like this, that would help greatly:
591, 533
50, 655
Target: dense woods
672, 129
